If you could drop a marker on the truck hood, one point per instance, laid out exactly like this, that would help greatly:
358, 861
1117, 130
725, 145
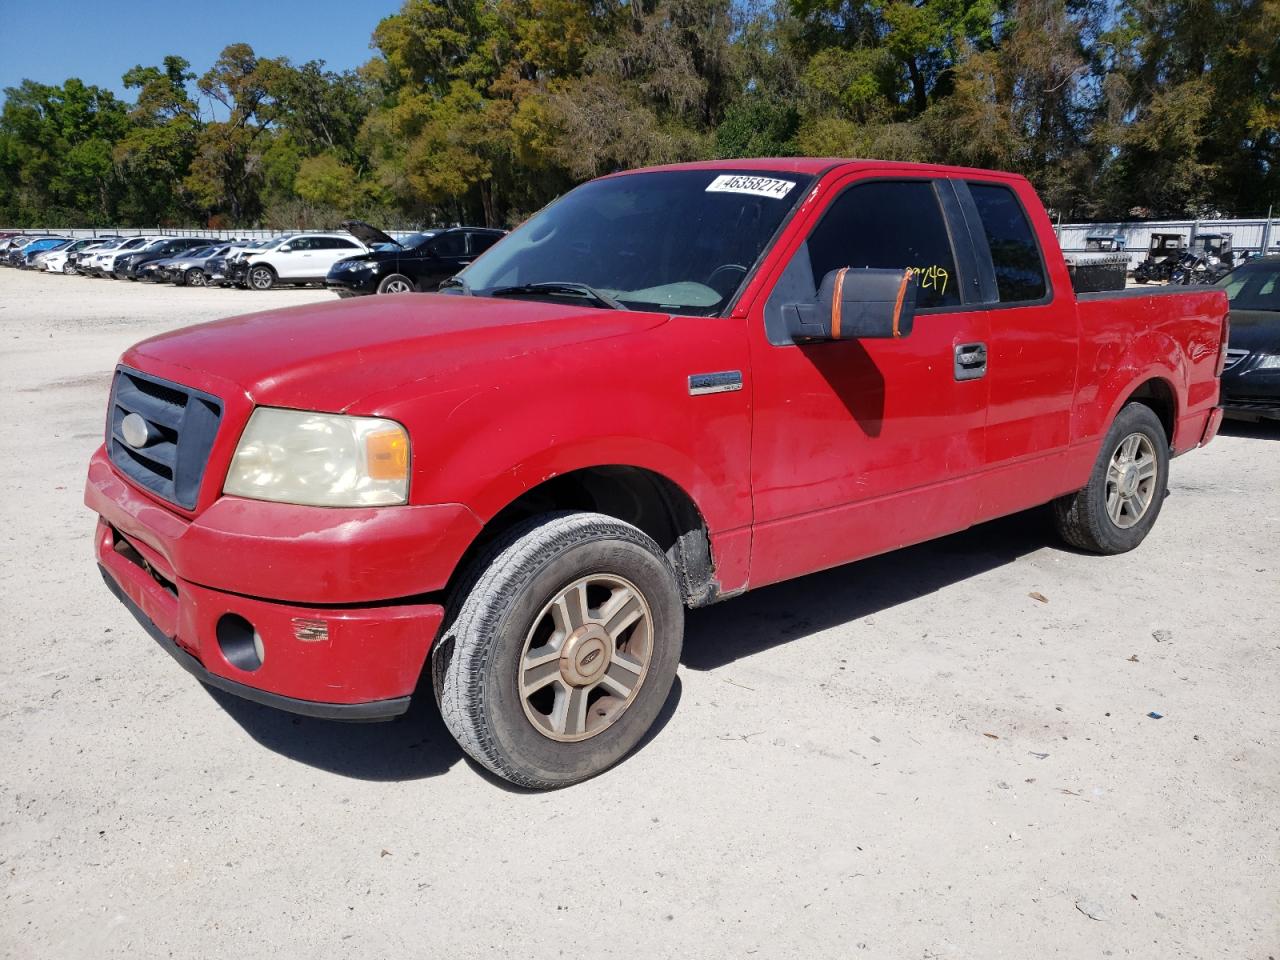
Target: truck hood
329, 356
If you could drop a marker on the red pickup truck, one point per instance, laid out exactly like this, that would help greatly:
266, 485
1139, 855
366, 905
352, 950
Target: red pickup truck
666, 388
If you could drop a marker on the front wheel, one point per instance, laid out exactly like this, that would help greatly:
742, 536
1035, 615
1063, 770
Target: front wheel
195, 277
262, 278
563, 649
1119, 506
396, 283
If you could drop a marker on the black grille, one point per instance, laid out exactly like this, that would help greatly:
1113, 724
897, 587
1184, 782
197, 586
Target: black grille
182, 423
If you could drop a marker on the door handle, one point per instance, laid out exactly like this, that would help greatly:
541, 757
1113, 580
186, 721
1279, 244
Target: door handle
971, 361
725, 381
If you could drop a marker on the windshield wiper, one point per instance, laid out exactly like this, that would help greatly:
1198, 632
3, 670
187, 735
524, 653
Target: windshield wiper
458, 282
555, 287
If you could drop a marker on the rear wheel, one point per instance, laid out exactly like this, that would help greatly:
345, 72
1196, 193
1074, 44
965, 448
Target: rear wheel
1119, 506
563, 649
262, 277
395, 283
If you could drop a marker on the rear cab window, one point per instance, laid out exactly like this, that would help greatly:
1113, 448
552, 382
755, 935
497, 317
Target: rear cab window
1015, 254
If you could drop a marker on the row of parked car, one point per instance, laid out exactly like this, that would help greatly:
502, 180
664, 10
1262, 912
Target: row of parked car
359, 259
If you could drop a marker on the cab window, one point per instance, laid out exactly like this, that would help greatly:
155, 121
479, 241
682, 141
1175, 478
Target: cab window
1014, 253
889, 224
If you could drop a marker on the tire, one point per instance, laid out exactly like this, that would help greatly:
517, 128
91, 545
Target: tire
1087, 519
504, 605
195, 278
261, 277
396, 283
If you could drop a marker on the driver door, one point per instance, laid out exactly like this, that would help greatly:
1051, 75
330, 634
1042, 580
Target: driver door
863, 446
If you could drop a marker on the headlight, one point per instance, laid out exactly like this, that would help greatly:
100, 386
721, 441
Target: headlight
320, 459
355, 265
1269, 361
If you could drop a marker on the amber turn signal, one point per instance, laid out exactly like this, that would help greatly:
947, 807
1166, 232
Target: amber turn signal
387, 455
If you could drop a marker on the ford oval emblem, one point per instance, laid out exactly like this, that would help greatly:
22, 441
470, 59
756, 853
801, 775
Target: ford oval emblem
135, 430
590, 658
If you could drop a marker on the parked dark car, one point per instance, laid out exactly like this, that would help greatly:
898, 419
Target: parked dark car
418, 262
1251, 378
127, 267
191, 268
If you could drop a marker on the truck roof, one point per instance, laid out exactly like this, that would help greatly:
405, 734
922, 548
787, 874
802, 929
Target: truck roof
815, 166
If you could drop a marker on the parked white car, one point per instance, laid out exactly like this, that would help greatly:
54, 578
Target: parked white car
300, 258
103, 260
56, 260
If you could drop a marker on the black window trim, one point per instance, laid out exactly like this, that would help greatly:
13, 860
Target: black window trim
982, 250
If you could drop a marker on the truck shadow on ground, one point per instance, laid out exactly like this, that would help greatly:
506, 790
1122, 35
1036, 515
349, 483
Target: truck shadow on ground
418, 745
717, 636
412, 747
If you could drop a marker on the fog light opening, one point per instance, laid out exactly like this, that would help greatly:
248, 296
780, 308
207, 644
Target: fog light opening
240, 642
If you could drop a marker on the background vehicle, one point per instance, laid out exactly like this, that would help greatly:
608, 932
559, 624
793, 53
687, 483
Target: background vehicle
126, 266
237, 267
301, 258
102, 263
1251, 378
192, 268
1207, 260
19, 253
667, 387
420, 262
64, 260
1162, 257
34, 259
1103, 243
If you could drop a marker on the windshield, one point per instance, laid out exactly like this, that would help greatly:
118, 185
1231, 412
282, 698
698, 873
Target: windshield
1255, 287
417, 239
681, 241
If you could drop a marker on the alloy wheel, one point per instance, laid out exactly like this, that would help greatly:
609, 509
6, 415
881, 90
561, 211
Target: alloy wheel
586, 657
1131, 480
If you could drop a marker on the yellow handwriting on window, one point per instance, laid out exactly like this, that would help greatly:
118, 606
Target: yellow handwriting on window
931, 278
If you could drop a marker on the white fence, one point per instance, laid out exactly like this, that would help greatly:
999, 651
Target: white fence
1255, 235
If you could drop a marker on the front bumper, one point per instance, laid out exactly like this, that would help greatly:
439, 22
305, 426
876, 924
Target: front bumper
327, 650
1251, 390
349, 285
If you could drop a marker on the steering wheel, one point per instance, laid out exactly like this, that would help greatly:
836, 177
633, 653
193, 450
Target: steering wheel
711, 278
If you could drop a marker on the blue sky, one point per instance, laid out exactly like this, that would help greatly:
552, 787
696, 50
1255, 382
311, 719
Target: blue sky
98, 41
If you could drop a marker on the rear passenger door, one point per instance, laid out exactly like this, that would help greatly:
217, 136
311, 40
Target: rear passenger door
1032, 347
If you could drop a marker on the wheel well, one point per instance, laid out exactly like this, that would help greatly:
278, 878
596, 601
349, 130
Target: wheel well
644, 499
1159, 396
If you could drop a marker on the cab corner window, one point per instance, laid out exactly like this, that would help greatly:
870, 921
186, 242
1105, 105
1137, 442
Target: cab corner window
889, 224
1014, 252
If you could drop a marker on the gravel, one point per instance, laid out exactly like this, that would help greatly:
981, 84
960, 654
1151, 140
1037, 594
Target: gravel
908, 757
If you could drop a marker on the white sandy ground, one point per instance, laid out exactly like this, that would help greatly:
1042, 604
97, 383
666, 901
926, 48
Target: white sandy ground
821, 785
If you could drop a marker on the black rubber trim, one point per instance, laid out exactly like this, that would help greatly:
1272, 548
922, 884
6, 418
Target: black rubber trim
357, 712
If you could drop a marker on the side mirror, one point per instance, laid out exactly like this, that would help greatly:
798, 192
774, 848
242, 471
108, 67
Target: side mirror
286, 249
855, 304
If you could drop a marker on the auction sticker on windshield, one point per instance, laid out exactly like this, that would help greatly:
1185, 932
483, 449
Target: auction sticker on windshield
756, 186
